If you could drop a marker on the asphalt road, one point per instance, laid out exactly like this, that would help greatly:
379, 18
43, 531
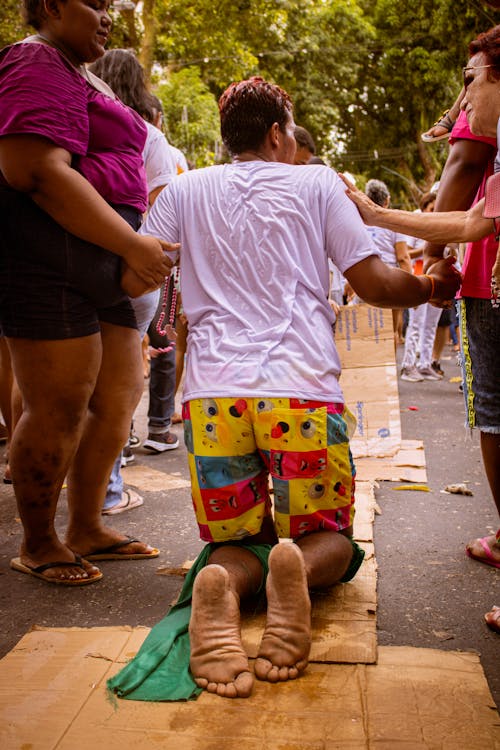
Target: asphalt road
430, 593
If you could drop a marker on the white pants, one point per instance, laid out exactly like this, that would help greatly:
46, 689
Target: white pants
420, 335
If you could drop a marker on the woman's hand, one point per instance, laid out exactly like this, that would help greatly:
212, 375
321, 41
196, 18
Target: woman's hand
146, 265
366, 207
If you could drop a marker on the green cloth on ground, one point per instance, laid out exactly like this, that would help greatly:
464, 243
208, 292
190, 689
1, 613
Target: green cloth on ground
160, 669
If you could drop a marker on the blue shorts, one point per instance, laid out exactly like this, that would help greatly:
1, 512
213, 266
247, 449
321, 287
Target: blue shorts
480, 332
54, 285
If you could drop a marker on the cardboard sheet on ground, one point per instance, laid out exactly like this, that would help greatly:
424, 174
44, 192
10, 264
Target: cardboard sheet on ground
52, 697
152, 480
365, 343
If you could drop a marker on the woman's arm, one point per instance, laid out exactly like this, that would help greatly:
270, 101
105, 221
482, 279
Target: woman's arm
35, 166
440, 227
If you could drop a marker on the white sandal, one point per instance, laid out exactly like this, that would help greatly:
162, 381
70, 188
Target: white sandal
130, 499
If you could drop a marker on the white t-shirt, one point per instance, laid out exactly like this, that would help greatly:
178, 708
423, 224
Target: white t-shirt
255, 241
384, 240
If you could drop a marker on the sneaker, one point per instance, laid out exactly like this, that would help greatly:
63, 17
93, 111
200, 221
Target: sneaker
437, 368
429, 374
127, 456
411, 374
165, 441
134, 440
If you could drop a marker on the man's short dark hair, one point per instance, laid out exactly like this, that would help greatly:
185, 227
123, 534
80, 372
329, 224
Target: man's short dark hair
304, 138
248, 109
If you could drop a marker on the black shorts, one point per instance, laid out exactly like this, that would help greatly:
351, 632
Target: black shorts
54, 285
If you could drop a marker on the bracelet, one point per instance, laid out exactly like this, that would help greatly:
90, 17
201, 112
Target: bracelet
433, 285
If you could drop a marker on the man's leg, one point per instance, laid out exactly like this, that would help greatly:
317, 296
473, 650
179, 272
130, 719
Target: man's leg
56, 379
116, 394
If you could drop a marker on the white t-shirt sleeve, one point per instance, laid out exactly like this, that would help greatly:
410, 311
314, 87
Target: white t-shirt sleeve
161, 220
347, 239
159, 159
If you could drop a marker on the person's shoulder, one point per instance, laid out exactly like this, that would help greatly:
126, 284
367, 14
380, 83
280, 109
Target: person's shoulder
462, 131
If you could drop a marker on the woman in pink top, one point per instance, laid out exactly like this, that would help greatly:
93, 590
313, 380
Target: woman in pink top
72, 193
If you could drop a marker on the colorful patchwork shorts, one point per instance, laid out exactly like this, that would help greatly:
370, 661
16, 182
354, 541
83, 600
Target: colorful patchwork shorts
235, 444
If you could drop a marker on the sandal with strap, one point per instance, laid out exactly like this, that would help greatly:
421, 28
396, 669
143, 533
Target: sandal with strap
444, 121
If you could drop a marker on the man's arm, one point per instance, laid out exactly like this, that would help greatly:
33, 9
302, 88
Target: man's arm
383, 286
403, 256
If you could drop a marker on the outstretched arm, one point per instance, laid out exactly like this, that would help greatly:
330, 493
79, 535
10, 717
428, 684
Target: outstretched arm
382, 286
442, 227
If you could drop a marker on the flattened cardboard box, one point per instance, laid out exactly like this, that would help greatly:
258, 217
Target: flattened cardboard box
53, 697
365, 342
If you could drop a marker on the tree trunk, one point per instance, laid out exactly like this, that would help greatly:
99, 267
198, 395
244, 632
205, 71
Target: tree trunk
146, 54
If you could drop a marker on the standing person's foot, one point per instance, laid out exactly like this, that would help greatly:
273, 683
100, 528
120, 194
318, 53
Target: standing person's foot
411, 374
133, 439
165, 441
284, 649
127, 456
486, 549
176, 419
129, 499
492, 619
429, 374
218, 662
436, 366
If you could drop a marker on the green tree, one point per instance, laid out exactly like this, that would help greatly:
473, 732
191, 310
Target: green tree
12, 26
191, 116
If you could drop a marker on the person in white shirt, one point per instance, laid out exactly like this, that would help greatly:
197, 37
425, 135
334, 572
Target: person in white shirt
261, 394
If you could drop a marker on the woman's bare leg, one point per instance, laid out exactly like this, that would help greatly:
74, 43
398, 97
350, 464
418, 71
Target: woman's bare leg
56, 379
117, 392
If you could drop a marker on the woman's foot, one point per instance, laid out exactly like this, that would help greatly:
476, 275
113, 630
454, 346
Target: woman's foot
492, 619
102, 541
218, 662
485, 550
42, 566
285, 645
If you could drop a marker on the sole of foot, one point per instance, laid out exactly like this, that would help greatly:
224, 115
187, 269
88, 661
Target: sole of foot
285, 645
218, 662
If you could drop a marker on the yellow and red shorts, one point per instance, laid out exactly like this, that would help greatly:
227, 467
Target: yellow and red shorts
235, 444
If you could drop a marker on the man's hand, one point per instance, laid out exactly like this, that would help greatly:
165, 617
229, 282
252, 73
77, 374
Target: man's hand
447, 281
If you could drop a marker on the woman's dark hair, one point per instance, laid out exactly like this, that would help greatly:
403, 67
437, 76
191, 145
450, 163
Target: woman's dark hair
248, 109
489, 44
377, 191
121, 70
33, 13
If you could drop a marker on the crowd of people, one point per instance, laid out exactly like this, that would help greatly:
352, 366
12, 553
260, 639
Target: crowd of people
96, 214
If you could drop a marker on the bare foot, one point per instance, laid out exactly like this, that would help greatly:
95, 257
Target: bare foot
285, 645
218, 662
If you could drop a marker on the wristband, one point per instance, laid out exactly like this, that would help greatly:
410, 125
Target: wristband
433, 285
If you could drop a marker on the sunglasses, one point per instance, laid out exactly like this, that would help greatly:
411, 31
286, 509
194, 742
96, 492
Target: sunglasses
469, 78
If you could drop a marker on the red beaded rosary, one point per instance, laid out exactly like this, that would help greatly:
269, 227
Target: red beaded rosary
164, 326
